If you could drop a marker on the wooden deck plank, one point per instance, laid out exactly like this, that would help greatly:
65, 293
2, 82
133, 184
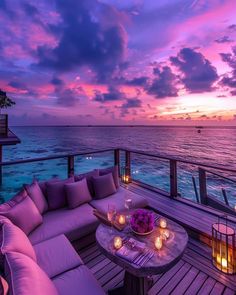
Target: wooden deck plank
114, 282
218, 289
196, 284
186, 281
99, 265
207, 286
176, 278
110, 275
229, 291
165, 278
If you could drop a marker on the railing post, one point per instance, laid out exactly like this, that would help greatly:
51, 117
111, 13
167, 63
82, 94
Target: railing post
70, 165
173, 179
117, 159
128, 165
202, 185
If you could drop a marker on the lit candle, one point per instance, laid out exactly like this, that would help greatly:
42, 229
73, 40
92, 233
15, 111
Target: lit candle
126, 179
117, 242
222, 261
163, 223
121, 219
158, 243
165, 234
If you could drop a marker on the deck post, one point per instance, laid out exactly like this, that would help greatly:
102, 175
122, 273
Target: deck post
202, 185
128, 164
70, 166
173, 179
117, 159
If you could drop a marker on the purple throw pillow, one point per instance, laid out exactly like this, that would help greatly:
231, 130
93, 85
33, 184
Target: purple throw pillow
104, 186
13, 201
25, 215
43, 185
15, 240
115, 173
25, 277
89, 176
77, 193
36, 194
56, 194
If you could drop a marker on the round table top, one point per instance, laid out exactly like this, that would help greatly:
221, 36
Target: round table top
162, 260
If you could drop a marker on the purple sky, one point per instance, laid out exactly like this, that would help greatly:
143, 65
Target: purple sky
119, 62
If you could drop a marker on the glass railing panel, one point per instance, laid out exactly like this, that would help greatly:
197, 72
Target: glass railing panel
187, 175
151, 171
92, 161
222, 188
15, 176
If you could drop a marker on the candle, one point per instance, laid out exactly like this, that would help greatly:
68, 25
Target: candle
163, 223
165, 234
222, 261
158, 243
121, 219
117, 242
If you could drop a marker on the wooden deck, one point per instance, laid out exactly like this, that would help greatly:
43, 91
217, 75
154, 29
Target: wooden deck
10, 139
194, 274
197, 220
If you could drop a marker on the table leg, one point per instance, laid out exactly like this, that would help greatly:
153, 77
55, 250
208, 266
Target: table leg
133, 285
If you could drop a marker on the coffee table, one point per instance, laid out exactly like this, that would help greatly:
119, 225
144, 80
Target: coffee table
136, 276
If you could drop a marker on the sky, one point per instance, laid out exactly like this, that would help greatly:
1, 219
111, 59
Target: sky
101, 62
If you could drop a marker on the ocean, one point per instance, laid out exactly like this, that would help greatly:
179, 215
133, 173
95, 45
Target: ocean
215, 146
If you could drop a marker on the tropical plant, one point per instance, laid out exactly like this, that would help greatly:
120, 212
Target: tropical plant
5, 101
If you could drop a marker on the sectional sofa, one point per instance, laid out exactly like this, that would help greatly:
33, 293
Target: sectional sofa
42, 223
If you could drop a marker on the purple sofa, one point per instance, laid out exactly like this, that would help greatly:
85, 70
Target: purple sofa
46, 251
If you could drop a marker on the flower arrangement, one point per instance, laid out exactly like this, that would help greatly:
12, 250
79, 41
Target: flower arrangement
142, 221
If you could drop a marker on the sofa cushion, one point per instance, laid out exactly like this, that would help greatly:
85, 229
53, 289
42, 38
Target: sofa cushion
13, 201
104, 186
89, 176
77, 193
25, 215
118, 199
74, 223
37, 196
78, 281
56, 194
115, 173
56, 256
25, 277
15, 240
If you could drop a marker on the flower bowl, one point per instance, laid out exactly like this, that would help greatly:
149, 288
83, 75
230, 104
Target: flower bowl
142, 222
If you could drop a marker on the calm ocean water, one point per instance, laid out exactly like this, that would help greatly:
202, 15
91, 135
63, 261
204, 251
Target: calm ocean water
211, 146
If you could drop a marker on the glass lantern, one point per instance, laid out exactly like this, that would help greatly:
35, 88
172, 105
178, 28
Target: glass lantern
125, 175
223, 247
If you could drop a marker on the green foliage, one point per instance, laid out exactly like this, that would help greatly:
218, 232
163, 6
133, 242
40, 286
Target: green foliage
5, 101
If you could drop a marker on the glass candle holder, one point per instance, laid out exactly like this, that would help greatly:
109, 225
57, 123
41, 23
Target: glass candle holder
117, 242
158, 243
121, 219
163, 223
165, 234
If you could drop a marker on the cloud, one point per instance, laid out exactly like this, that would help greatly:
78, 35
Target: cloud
139, 81
232, 27
88, 38
164, 84
113, 94
224, 39
198, 74
132, 103
229, 79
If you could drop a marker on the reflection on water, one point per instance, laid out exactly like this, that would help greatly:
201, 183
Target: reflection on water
211, 146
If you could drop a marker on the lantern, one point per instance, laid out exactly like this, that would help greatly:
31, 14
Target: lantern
223, 247
125, 175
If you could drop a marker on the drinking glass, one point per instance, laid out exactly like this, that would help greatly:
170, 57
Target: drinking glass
128, 205
111, 214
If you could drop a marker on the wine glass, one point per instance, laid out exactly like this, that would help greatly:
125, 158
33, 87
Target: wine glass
128, 204
111, 214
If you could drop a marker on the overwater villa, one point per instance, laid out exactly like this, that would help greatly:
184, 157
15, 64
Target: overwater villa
104, 231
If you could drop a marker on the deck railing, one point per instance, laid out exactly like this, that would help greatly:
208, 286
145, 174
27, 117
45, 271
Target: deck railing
173, 174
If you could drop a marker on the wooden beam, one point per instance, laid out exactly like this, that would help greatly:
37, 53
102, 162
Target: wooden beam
173, 179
